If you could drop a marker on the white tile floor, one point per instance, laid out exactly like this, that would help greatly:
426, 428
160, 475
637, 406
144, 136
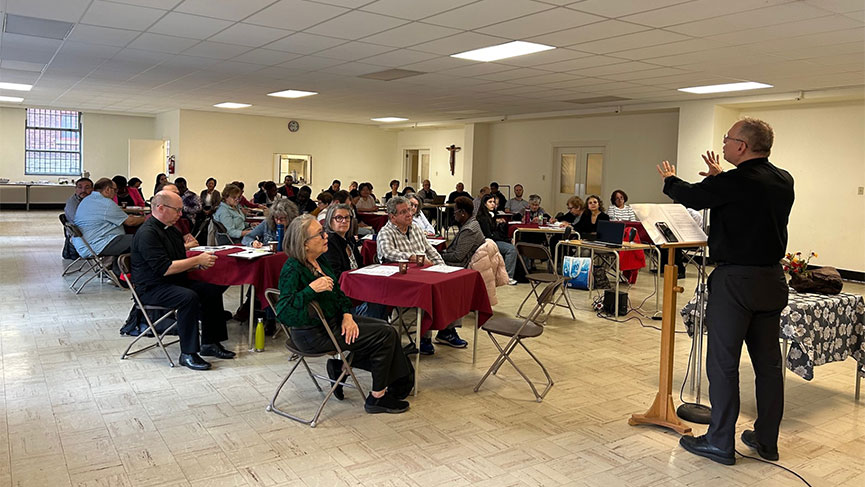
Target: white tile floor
75, 414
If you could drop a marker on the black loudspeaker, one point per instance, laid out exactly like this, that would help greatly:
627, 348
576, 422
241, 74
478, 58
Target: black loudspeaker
610, 302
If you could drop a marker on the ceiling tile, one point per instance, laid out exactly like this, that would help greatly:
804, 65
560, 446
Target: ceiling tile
681, 47
696, 10
216, 50
249, 35
486, 12
580, 63
351, 51
223, 9
839, 6
28, 48
413, 9
21, 65
440, 63
355, 25
778, 14
630, 41
163, 4
541, 23
795, 30
68, 10
410, 34
352, 69
586, 33
17, 76
295, 14
610, 9
121, 16
162, 43
102, 35
266, 57
303, 43
399, 57
546, 57
311, 63
458, 43
186, 25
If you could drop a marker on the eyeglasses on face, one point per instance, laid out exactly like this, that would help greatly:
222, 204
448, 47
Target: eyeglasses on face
173, 208
341, 218
727, 137
321, 234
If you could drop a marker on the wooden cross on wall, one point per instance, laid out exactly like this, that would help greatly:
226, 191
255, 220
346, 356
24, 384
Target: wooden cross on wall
453, 149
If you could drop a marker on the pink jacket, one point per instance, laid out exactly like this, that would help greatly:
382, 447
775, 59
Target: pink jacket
489, 262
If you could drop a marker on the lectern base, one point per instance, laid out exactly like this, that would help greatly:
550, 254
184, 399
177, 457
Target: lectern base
661, 414
695, 413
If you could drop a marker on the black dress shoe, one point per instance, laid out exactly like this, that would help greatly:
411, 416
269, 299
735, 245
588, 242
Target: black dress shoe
700, 446
193, 361
749, 437
334, 369
215, 350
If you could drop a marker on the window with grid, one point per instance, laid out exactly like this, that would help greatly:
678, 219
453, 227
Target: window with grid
52, 142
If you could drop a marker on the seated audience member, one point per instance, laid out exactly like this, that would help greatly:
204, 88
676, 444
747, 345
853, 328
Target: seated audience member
588, 222
307, 277
343, 253
125, 197
161, 179
135, 183
303, 200
210, 197
501, 201
460, 191
407, 190
159, 266
191, 202
352, 186
418, 218
280, 213
260, 194
575, 211
322, 201
334, 187
496, 229
83, 188
229, 215
242, 202
619, 211
182, 224
400, 240
394, 190
535, 213
426, 194
481, 193
288, 189
271, 194
517, 205
365, 201
101, 223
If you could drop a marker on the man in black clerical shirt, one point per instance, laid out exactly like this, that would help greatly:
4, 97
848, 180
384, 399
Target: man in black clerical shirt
747, 290
159, 266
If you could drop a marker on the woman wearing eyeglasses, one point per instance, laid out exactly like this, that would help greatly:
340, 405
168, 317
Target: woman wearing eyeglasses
306, 277
280, 213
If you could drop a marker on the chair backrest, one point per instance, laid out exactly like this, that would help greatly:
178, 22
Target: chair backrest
125, 264
74, 231
63, 219
568, 231
220, 234
544, 299
539, 252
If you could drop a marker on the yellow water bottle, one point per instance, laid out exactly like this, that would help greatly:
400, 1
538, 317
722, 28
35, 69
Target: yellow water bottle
259, 336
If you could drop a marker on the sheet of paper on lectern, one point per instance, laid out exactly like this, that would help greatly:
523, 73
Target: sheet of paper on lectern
677, 219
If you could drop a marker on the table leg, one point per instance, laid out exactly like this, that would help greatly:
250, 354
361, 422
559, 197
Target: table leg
251, 316
592, 277
618, 278
475, 342
27, 197
417, 335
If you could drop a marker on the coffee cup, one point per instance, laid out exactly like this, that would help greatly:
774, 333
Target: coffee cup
273, 246
403, 267
420, 259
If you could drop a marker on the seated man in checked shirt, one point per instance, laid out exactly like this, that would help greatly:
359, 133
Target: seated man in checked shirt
400, 240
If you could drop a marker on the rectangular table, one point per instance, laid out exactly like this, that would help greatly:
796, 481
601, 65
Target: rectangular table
369, 250
439, 298
617, 253
375, 219
818, 328
259, 273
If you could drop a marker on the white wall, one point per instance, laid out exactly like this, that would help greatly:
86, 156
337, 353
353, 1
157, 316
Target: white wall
233, 146
439, 170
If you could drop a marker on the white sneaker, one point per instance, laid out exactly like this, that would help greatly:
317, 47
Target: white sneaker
512, 282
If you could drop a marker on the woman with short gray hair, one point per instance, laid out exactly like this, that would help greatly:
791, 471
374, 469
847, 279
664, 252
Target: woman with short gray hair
418, 218
282, 212
307, 277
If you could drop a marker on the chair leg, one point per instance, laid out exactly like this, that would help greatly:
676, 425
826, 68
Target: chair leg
533, 291
543, 369
68, 269
505, 355
159, 343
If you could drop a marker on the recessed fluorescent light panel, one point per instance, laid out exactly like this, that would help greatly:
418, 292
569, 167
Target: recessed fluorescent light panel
15, 86
746, 85
231, 104
502, 51
11, 99
389, 119
292, 93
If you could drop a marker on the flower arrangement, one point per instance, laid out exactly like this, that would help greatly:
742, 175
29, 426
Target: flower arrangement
794, 264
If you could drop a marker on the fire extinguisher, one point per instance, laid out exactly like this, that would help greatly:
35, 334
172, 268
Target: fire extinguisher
171, 165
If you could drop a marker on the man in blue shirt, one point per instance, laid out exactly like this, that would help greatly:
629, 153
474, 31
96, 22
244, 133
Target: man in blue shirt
101, 222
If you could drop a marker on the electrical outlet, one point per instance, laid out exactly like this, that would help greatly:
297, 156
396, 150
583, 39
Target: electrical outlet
861, 190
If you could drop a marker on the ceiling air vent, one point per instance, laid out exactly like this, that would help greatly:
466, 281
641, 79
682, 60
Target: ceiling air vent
32, 26
391, 74
597, 99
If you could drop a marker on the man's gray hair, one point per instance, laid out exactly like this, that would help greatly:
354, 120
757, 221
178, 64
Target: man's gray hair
393, 202
283, 208
757, 134
294, 243
533, 198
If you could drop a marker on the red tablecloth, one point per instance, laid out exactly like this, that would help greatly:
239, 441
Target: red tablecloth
369, 248
512, 227
262, 272
373, 219
443, 297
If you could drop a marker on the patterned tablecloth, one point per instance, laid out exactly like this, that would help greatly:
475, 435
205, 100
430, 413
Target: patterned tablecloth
820, 328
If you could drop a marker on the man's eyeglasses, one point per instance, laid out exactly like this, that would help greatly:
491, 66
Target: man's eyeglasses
727, 137
341, 218
173, 208
321, 234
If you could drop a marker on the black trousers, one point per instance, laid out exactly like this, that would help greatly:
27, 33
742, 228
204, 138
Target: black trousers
377, 348
195, 301
119, 245
745, 304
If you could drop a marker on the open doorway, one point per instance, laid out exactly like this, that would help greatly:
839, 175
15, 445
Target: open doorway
579, 171
416, 167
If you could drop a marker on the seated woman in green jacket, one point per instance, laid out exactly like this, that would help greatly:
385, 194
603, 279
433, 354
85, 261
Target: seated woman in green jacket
307, 277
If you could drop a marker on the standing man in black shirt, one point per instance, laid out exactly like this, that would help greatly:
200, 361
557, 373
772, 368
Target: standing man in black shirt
159, 266
747, 291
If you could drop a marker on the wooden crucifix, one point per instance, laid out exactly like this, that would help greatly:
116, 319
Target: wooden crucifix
453, 149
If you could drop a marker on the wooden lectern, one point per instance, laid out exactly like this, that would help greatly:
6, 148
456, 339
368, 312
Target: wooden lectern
662, 412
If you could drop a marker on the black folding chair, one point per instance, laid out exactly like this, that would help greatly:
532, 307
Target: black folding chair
538, 252
94, 261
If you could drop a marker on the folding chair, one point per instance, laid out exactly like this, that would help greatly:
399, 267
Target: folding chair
272, 296
97, 267
125, 268
217, 234
517, 330
78, 260
541, 253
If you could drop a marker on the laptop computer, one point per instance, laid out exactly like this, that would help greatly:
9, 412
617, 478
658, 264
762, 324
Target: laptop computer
610, 233
438, 200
